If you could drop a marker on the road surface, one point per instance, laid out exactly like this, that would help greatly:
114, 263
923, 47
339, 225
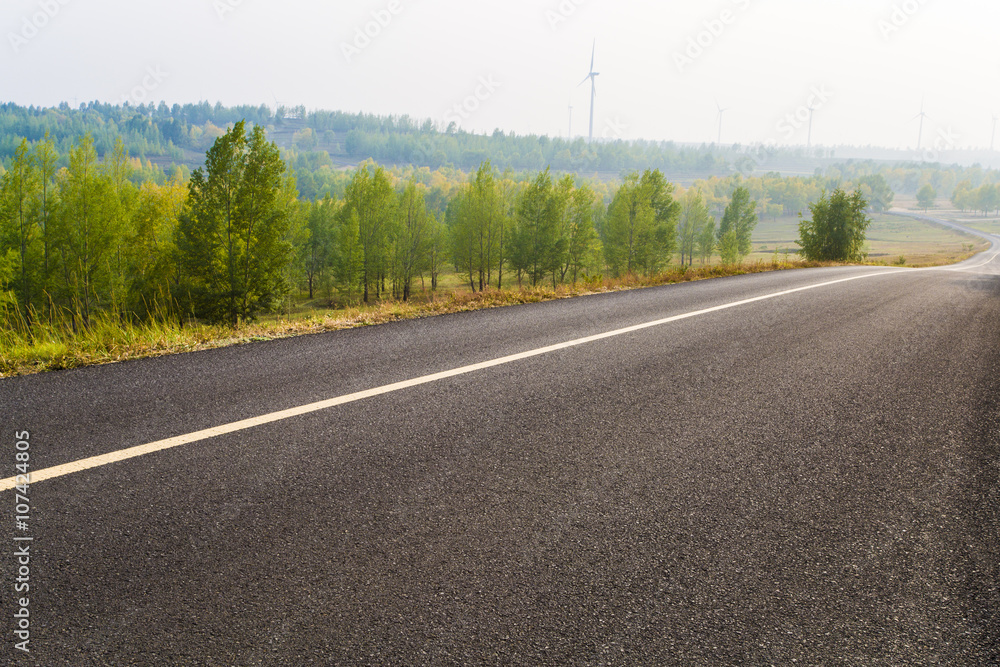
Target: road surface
804, 467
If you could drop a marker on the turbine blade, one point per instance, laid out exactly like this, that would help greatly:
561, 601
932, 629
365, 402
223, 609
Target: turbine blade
593, 53
584, 81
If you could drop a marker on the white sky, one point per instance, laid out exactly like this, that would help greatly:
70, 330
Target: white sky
432, 55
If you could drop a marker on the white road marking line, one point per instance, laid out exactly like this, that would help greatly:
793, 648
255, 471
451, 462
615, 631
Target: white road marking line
170, 443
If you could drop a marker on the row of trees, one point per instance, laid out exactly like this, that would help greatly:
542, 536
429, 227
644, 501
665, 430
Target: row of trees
983, 199
83, 238
236, 238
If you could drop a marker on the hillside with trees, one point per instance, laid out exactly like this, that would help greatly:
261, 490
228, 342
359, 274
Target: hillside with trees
90, 237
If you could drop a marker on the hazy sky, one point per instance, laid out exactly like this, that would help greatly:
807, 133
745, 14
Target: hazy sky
864, 65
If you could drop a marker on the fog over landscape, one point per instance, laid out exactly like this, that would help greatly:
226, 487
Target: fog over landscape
665, 68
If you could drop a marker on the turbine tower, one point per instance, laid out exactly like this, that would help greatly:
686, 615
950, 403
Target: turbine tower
593, 90
809, 141
721, 111
921, 116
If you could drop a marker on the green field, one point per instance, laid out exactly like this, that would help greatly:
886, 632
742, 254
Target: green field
889, 238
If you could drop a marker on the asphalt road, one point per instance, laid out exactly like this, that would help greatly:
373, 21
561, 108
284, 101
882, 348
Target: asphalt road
806, 479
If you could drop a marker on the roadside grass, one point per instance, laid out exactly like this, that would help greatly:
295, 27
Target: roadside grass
48, 346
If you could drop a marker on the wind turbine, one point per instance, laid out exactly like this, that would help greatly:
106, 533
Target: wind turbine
809, 141
593, 90
277, 106
721, 111
921, 116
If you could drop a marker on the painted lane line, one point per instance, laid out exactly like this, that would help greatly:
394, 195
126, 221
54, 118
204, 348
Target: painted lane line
197, 436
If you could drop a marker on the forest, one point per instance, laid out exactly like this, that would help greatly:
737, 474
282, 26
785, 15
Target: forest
168, 141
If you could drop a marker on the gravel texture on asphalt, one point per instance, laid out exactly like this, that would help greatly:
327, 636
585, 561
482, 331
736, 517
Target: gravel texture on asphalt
811, 479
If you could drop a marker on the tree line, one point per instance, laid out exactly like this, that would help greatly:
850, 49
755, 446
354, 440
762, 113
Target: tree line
983, 199
236, 238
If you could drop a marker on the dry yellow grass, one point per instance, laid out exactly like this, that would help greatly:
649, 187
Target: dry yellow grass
54, 347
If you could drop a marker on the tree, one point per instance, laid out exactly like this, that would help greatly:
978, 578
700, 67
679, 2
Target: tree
962, 196
926, 197
693, 219
151, 257
640, 231
86, 236
837, 229
371, 197
480, 226
232, 237
412, 243
352, 256
875, 189
583, 244
317, 252
736, 227
538, 243
123, 196
706, 240
19, 199
46, 158
461, 238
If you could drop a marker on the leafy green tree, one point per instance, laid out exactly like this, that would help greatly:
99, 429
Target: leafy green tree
151, 248
370, 195
351, 263
413, 241
47, 159
640, 231
706, 240
20, 193
88, 234
123, 197
318, 251
877, 192
232, 237
837, 229
987, 198
729, 248
461, 238
693, 219
736, 227
539, 243
962, 195
583, 244
926, 196
437, 248
480, 226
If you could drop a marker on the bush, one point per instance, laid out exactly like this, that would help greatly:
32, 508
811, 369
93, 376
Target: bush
837, 229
